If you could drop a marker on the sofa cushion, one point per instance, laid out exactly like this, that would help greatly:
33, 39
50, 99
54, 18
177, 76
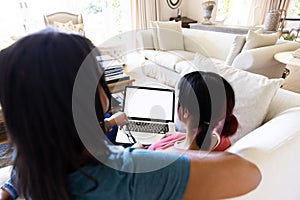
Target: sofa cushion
186, 66
253, 94
255, 40
170, 35
236, 48
183, 66
154, 27
209, 43
145, 40
160, 74
168, 59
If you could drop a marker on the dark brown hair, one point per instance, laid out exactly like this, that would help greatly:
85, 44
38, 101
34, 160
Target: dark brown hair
37, 75
209, 98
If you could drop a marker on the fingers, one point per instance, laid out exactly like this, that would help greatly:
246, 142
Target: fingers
168, 134
120, 118
138, 145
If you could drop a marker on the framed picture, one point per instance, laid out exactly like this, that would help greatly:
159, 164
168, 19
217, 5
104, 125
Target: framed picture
174, 3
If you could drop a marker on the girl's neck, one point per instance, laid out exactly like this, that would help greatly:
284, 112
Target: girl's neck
191, 133
189, 142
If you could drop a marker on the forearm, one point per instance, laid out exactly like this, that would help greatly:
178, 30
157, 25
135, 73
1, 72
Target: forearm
117, 119
4, 195
217, 173
109, 123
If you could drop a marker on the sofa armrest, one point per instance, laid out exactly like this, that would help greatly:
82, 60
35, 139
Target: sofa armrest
282, 101
261, 60
274, 148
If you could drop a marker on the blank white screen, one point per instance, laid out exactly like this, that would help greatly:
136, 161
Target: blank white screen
152, 104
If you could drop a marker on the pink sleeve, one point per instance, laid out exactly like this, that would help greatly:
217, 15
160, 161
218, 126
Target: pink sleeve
167, 141
223, 145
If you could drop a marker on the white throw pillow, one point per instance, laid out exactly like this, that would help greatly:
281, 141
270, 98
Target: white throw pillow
153, 25
255, 40
170, 36
145, 40
205, 64
253, 94
236, 48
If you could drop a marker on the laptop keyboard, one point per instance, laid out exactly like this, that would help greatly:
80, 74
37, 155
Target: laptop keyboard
148, 127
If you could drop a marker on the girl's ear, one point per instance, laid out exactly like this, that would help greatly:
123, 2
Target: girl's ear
179, 111
185, 115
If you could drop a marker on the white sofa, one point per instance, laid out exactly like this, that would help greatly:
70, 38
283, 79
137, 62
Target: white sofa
273, 146
220, 47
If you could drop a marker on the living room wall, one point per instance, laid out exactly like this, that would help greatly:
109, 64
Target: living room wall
167, 12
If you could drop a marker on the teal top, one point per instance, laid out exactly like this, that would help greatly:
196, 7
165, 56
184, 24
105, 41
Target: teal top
132, 174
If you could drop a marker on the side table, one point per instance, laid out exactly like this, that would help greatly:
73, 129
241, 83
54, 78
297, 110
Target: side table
287, 58
184, 21
118, 87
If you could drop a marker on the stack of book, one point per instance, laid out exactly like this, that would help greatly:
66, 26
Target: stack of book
114, 69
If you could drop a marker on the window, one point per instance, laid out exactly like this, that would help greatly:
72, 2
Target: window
235, 12
294, 9
222, 9
102, 18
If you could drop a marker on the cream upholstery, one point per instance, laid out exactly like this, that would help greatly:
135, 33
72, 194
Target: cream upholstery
217, 45
63, 17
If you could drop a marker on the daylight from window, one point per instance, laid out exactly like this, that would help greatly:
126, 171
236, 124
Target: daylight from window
102, 18
294, 9
233, 12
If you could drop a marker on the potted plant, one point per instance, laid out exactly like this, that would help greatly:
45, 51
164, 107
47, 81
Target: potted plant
290, 36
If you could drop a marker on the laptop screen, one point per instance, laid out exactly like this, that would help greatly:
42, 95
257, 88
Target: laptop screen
150, 104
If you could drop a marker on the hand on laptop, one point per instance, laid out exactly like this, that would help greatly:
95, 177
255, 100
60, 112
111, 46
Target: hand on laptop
120, 119
139, 145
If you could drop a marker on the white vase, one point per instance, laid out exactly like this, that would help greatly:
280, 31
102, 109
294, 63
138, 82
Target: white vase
272, 20
208, 7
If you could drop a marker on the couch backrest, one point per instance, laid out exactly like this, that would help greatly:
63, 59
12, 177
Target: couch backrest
209, 43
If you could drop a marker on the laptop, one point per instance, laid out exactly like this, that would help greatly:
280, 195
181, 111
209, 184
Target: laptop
150, 112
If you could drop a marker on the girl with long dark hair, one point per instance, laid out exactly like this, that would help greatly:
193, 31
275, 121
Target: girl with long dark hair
205, 106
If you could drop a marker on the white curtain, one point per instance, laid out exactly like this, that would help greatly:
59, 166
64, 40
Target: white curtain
259, 9
144, 11
238, 12
257, 12
279, 4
